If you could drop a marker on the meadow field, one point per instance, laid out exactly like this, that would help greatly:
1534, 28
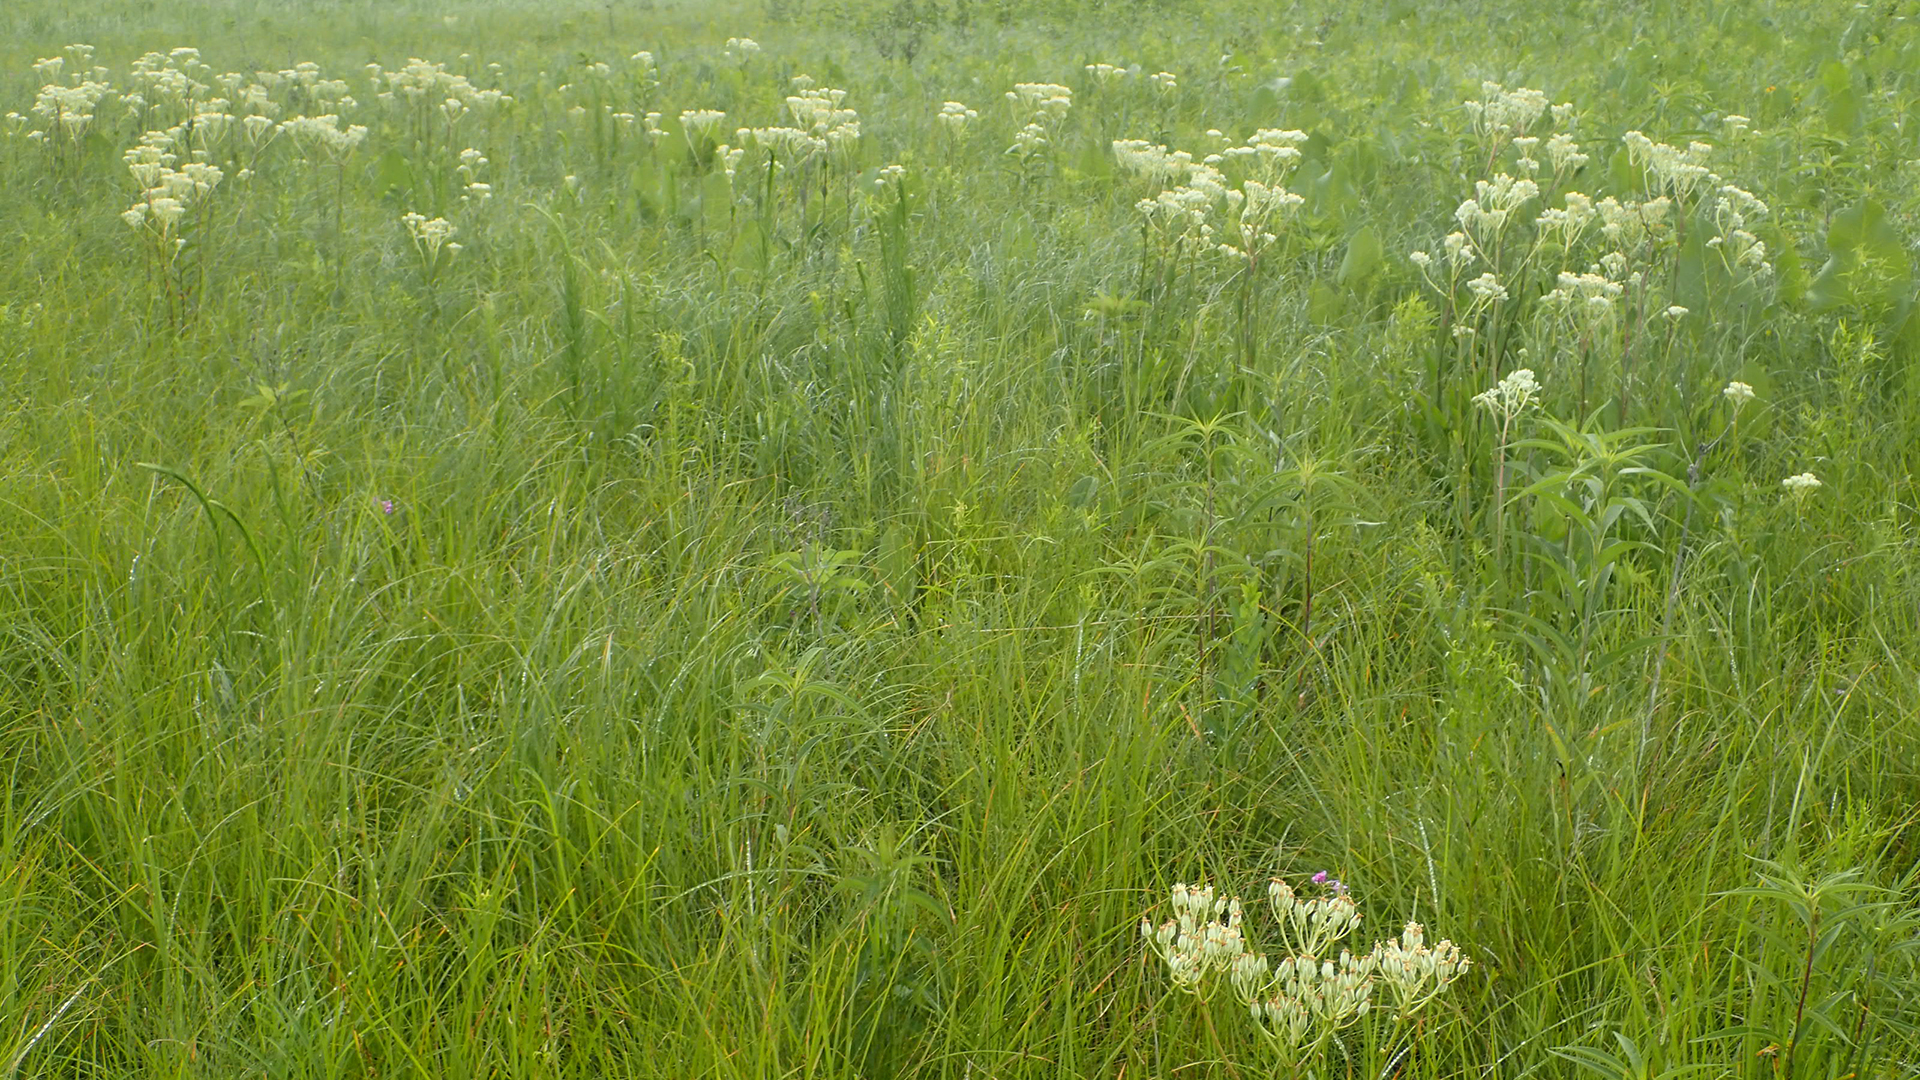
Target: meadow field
960, 539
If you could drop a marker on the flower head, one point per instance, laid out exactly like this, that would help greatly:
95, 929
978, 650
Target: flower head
1802, 485
1513, 396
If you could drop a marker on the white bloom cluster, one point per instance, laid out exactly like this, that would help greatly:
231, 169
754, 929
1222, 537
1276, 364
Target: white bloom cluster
166, 193
1184, 210
476, 191
1107, 73
954, 118
1738, 394
419, 82
1309, 994
1272, 152
1485, 216
1628, 223
430, 235
1564, 154
1202, 937
304, 82
1049, 99
823, 114
890, 175
325, 135
1514, 395
1413, 972
1502, 114
1047, 103
700, 121
1486, 289
1590, 295
742, 48
1734, 208
1670, 169
1256, 214
1802, 485
69, 109
1184, 213
729, 158
171, 80
1155, 163
1030, 140
1164, 81
1566, 224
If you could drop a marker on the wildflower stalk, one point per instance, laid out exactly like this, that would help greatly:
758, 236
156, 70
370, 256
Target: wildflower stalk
1506, 400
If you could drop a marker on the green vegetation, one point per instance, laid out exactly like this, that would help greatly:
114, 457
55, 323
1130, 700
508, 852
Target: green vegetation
497, 582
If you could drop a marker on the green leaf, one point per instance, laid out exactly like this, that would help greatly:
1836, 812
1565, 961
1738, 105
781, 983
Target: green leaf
1365, 256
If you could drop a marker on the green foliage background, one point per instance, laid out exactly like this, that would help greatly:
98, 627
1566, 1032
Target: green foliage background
806, 645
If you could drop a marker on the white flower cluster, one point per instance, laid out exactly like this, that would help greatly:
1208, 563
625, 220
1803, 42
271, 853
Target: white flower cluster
1670, 169
1735, 208
644, 61
1184, 210
1502, 114
1184, 213
303, 81
1048, 99
1738, 394
1515, 394
1030, 140
822, 122
1104, 74
1271, 152
890, 175
1256, 214
1591, 295
419, 82
1047, 103
822, 113
1493, 206
1202, 937
430, 236
476, 191
69, 109
1414, 973
700, 121
1802, 485
1164, 81
1300, 1000
1156, 163
325, 135
954, 118
742, 48
170, 81
166, 193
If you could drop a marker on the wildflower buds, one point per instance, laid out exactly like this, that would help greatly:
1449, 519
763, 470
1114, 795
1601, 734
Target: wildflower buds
1302, 999
1514, 395
1202, 937
954, 118
430, 236
1800, 486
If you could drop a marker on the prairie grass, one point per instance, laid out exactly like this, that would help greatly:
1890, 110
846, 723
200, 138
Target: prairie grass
727, 624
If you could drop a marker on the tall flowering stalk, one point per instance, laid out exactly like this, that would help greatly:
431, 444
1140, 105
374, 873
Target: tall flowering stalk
1507, 400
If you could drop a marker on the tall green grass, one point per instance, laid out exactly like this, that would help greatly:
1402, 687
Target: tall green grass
698, 634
